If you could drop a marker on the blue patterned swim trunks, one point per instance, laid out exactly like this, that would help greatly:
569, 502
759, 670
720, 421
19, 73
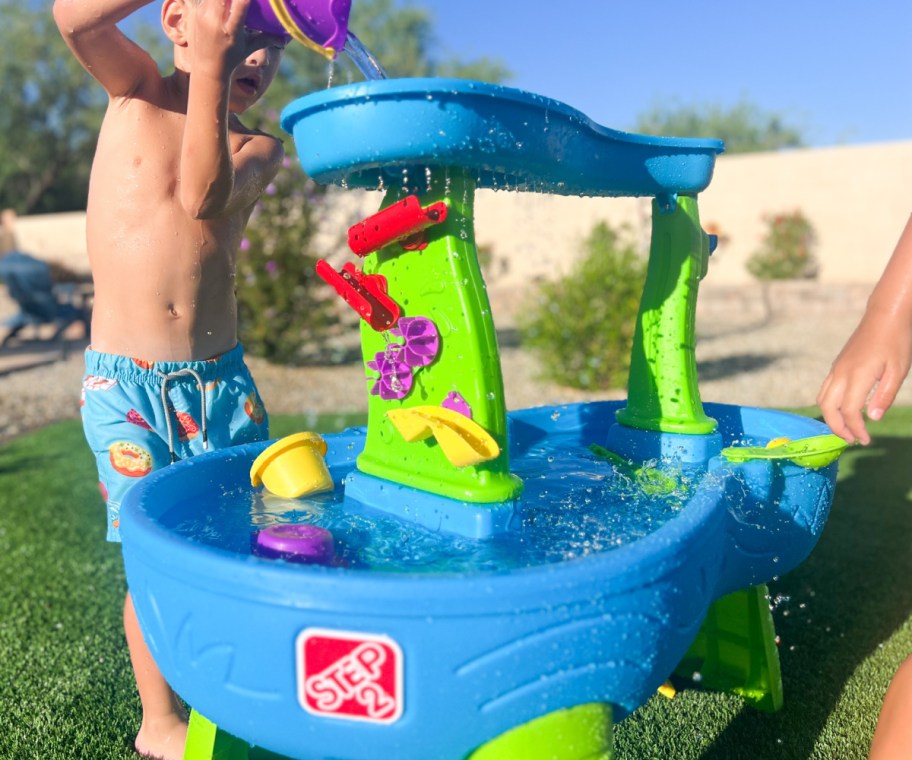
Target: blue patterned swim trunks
139, 416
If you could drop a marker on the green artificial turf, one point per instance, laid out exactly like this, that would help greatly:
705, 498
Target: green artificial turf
844, 617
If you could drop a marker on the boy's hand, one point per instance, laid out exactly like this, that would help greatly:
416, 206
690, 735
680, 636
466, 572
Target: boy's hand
219, 42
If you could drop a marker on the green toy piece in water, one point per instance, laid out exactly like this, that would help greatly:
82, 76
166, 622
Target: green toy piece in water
653, 481
814, 452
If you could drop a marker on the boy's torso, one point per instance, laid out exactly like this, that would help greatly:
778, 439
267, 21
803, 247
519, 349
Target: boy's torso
164, 282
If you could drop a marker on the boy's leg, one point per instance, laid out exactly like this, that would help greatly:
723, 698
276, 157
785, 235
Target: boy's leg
893, 735
163, 732
121, 414
124, 424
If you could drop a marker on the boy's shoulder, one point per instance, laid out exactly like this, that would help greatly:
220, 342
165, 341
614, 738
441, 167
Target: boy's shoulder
248, 134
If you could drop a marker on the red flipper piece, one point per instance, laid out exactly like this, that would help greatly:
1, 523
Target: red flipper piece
404, 222
365, 293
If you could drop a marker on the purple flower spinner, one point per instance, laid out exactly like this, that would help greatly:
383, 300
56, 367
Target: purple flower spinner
395, 379
422, 341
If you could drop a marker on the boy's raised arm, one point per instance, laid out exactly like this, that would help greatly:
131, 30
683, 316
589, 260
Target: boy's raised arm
215, 181
89, 28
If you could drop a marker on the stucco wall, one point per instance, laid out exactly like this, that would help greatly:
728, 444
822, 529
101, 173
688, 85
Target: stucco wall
857, 197
55, 237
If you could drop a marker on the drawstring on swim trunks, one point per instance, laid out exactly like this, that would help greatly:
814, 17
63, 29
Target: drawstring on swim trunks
167, 377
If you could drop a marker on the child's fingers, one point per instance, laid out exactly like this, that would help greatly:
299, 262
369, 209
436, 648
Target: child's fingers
236, 14
855, 426
854, 402
842, 402
884, 394
830, 400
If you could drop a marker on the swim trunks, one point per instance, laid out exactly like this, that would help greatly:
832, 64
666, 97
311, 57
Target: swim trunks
139, 416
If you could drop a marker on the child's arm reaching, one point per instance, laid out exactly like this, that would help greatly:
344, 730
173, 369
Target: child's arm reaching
879, 352
89, 29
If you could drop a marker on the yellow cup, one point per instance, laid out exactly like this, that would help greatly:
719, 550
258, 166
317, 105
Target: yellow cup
293, 466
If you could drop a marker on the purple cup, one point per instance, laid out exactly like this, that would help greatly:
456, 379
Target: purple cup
307, 544
324, 22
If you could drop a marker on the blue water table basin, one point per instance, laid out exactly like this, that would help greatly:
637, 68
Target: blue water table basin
371, 133
505, 585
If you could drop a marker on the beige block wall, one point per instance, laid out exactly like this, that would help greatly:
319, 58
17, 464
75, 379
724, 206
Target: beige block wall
55, 237
857, 197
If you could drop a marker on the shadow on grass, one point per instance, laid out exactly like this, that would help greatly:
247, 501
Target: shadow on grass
736, 364
834, 612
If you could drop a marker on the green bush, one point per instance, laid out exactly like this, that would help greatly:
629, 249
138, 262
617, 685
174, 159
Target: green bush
787, 249
581, 326
284, 309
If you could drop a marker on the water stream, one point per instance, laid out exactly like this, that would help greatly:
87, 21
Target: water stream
363, 58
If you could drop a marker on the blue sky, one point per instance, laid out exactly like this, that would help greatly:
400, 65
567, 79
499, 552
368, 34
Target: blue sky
839, 71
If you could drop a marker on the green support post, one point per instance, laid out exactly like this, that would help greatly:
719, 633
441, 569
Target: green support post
662, 392
205, 741
443, 283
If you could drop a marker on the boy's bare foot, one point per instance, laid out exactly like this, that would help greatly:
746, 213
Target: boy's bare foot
162, 739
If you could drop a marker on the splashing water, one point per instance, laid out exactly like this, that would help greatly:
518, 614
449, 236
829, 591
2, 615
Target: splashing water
363, 58
573, 506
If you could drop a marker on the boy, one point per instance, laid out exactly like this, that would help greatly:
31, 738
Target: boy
174, 180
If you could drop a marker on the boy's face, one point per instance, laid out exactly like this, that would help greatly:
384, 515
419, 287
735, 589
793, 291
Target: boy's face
252, 77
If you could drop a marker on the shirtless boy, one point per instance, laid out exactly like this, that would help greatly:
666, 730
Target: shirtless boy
175, 178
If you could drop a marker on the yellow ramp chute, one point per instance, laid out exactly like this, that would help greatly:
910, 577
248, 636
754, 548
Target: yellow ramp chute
463, 441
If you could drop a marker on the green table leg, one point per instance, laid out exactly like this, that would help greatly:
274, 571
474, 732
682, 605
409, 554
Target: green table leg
205, 741
735, 650
579, 733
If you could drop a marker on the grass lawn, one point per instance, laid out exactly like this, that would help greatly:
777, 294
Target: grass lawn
844, 617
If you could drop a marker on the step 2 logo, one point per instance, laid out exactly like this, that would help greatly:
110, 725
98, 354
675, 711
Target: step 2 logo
349, 675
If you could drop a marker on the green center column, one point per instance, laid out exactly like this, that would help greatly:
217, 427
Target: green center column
442, 282
662, 392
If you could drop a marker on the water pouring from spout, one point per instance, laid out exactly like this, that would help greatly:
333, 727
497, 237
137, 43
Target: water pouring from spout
363, 59
321, 25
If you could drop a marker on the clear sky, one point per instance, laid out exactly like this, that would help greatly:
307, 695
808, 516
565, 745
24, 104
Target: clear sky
839, 71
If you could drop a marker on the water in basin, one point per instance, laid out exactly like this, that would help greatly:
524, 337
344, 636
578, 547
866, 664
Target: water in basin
574, 504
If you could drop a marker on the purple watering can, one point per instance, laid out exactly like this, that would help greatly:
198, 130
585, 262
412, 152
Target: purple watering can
321, 25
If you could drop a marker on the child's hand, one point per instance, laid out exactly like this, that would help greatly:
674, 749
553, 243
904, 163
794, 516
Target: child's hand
219, 42
877, 357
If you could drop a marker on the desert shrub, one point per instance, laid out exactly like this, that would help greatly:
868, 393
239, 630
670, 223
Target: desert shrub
787, 249
284, 309
581, 326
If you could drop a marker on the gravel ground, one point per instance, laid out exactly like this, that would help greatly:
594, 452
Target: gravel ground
777, 363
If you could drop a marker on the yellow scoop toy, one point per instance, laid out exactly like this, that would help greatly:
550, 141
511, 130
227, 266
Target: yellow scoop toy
293, 466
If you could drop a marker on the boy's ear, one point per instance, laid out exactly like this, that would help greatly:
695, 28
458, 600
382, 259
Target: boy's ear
174, 21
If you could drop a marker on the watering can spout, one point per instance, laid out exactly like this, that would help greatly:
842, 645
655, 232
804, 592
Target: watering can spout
321, 25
